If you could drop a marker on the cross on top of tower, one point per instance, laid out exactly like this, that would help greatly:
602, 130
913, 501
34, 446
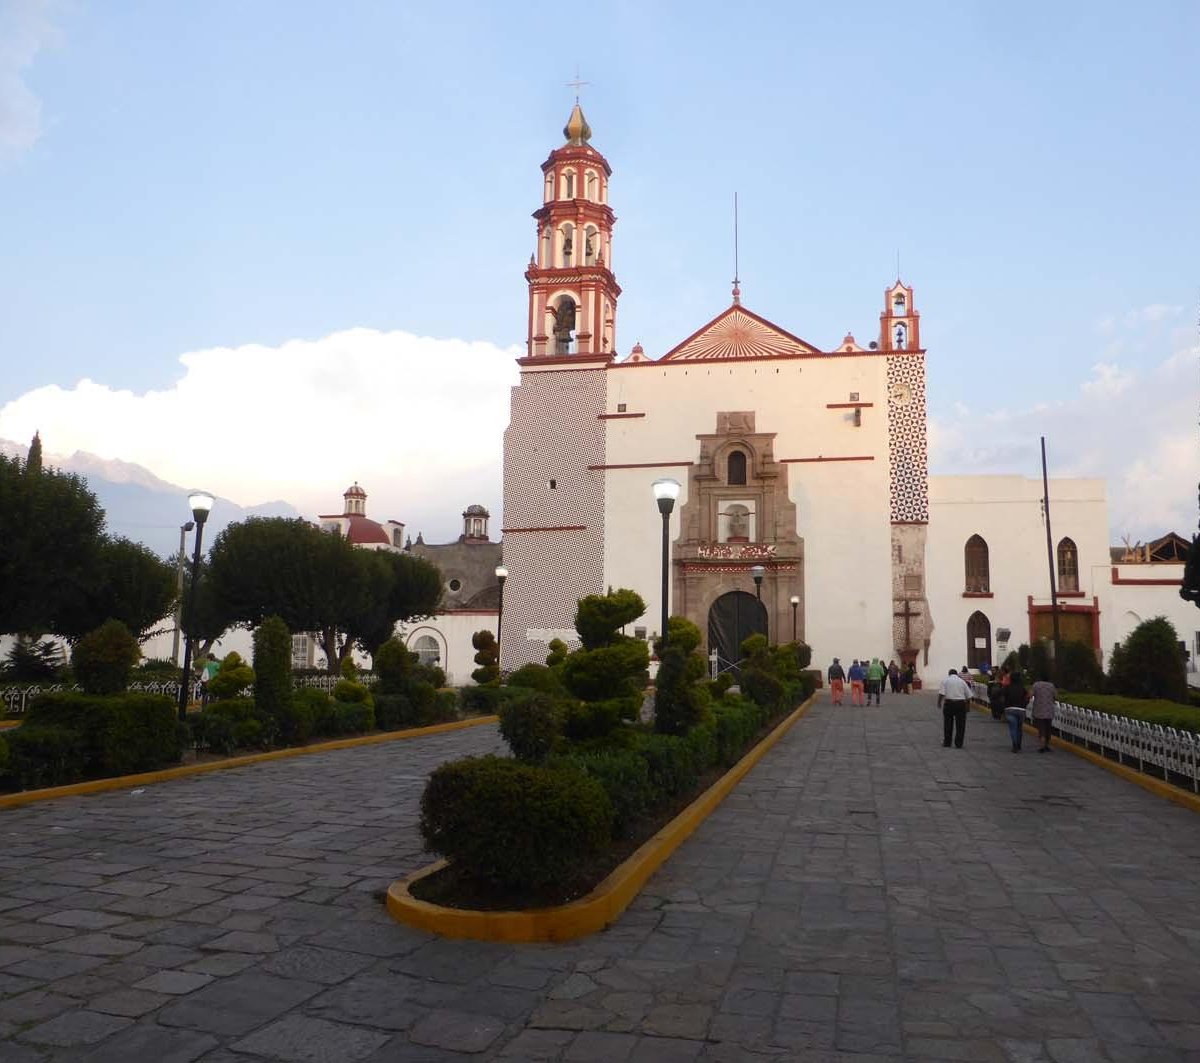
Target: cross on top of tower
577, 84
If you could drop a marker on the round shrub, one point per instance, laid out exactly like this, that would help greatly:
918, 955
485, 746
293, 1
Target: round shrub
487, 656
347, 690
104, 658
514, 826
232, 680
616, 670
273, 666
295, 721
348, 669
625, 777
762, 688
557, 654
1149, 663
530, 726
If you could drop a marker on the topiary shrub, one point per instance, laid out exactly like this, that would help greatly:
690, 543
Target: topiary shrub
531, 725
587, 721
537, 677
485, 700
487, 656
273, 667
701, 743
1149, 663
104, 658
763, 689
348, 669
558, 653
670, 765
681, 698
625, 777
350, 691
43, 755
118, 733
600, 617
718, 687
233, 679
755, 649
393, 667
232, 724
736, 721
294, 722
514, 826
617, 670
353, 717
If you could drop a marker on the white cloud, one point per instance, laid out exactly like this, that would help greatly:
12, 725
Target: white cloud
25, 28
418, 422
1138, 431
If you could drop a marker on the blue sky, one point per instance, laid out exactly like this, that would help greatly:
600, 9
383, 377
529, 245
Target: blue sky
180, 178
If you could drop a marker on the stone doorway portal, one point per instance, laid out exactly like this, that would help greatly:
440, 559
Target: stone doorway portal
732, 619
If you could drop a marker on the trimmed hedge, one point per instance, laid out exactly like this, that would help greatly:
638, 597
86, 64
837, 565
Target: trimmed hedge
104, 659
235, 723
1151, 710
119, 734
625, 776
43, 755
512, 825
531, 725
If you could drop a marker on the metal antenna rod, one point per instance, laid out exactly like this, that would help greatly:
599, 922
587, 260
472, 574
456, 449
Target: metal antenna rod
737, 291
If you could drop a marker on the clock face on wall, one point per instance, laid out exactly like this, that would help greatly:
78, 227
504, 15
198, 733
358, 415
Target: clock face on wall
901, 394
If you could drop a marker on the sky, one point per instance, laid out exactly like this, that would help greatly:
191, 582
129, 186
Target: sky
274, 248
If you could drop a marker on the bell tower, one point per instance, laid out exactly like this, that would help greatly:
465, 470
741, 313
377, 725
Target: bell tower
899, 324
572, 290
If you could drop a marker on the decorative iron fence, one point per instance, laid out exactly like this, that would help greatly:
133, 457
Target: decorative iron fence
16, 699
1164, 752
328, 682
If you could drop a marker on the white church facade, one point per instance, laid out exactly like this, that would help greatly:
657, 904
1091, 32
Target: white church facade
808, 462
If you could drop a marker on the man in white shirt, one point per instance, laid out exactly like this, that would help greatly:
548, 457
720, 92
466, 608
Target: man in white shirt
953, 696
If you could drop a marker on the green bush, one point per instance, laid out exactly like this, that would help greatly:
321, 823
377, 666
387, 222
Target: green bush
514, 826
119, 733
586, 721
625, 776
558, 653
600, 617
294, 721
232, 680
235, 723
681, 697
615, 670
670, 763
348, 669
756, 648
349, 690
701, 743
718, 687
3, 756
273, 667
737, 721
104, 659
1149, 663
394, 712
393, 667
354, 717
537, 677
482, 700
44, 755
35, 661
531, 725
763, 689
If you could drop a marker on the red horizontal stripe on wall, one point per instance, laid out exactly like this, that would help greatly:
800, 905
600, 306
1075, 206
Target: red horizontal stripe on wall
556, 527
643, 465
617, 416
848, 457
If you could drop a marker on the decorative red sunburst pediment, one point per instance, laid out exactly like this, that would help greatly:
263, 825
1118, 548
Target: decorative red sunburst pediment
738, 333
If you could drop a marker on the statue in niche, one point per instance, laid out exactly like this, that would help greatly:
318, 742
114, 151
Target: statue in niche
739, 524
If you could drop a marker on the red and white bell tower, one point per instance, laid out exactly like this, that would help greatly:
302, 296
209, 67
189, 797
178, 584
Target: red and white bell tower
572, 290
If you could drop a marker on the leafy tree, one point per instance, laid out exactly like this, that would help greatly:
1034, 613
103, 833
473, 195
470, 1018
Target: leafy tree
315, 581
1190, 590
51, 530
558, 653
487, 656
272, 667
232, 678
131, 583
31, 660
1078, 669
1149, 663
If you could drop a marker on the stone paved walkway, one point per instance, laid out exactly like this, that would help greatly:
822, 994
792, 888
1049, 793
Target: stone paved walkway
863, 896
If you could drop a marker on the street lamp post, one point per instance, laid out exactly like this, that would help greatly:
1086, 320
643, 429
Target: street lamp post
757, 571
201, 502
179, 563
665, 493
501, 576
795, 599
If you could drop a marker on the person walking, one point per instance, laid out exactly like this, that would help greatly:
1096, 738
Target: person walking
857, 676
996, 693
907, 676
837, 681
1015, 698
1042, 697
953, 696
894, 676
875, 675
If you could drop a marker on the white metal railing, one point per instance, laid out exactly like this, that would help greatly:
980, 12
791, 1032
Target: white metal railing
16, 699
1158, 750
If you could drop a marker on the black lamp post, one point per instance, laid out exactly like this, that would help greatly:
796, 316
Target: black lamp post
757, 571
795, 599
180, 561
201, 502
665, 493
501, 576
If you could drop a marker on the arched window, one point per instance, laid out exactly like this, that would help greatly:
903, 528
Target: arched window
901, 336
549, 187
568, 242
898, 305
569, 184
591, 243
736, 470
979, 641
978, 581
426, 647
564, 324
590, 185
1068, 566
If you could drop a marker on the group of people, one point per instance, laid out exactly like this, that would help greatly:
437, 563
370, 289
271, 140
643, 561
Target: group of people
868, 679
1009, 700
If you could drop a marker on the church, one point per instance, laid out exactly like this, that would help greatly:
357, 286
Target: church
805, 505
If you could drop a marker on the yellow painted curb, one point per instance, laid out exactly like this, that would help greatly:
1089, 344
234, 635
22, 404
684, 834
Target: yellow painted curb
121, 782
603, 904
1159, 787
8, 725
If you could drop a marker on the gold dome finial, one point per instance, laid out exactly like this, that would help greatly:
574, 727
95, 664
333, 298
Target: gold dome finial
577, 131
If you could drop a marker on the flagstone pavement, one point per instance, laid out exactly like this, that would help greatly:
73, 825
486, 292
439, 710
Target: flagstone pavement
864, 895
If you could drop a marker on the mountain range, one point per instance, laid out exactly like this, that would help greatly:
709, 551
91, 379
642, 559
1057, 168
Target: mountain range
143, 507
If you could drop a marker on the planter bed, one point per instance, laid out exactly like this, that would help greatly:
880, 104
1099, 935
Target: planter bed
440, 900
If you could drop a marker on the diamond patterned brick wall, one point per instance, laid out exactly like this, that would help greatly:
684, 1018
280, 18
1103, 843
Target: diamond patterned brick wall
908, 453
553, 535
